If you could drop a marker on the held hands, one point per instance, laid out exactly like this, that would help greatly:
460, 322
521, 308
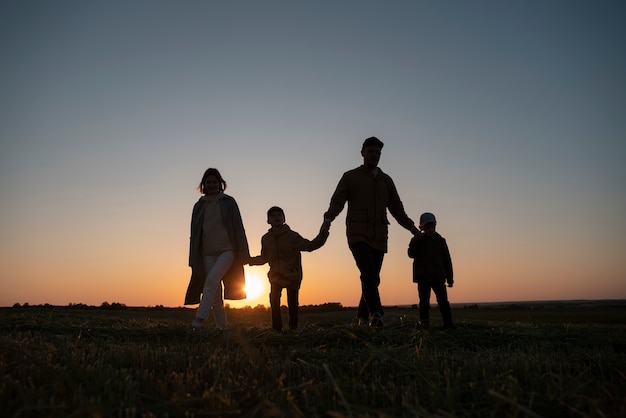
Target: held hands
325, 226
255, 261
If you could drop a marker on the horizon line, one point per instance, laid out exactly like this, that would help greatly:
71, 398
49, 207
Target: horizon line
407, 305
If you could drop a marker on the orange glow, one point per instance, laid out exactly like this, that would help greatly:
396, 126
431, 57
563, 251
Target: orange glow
255, 286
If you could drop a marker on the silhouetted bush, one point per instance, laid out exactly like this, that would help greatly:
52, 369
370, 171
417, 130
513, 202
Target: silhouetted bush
115, 306
324, 307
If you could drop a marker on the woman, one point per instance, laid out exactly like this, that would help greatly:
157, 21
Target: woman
218, 249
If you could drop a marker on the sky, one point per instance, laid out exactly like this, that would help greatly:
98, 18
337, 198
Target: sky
504, 119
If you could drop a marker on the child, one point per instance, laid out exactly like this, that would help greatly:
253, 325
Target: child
281, 247
432, 268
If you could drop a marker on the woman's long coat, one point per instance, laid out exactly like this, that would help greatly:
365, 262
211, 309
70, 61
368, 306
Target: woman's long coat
234, 280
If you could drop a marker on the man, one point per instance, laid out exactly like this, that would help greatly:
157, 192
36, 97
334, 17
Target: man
369, 193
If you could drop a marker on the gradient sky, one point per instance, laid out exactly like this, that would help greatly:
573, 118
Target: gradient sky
505, 119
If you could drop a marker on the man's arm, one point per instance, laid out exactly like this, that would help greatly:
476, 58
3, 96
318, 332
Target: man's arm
337, 201
396, 208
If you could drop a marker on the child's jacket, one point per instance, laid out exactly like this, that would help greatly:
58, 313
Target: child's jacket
281, 248
431, 259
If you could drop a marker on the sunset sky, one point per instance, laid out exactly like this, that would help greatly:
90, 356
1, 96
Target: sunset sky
504, 118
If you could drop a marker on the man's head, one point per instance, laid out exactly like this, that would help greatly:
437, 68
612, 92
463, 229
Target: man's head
370, 151
372, 140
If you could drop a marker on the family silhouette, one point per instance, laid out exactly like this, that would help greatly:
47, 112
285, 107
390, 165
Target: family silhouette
218, 247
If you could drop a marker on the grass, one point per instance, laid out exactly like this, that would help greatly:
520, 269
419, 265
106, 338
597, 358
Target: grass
147, 362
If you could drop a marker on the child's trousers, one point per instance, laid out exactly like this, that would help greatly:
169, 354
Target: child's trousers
439, 288
292, 302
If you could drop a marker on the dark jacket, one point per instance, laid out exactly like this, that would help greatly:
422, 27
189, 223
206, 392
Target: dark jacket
234, 280
368, 198
431, 259
281, 248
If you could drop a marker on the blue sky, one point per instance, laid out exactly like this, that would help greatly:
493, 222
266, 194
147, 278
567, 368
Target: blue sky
505, 119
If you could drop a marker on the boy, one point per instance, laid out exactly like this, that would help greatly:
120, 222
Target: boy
281, 248
432, 268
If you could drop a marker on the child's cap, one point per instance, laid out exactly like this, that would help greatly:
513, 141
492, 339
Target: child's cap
275, 209
426, 218
372, 140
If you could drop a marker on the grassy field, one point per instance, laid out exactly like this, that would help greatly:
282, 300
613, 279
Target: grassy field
509, 360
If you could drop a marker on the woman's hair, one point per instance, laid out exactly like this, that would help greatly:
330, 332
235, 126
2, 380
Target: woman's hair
218, 176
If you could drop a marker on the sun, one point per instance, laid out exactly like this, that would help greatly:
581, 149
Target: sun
255, 286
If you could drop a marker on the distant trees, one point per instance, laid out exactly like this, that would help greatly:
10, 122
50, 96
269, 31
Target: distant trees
115, 306
324, 307
105, 305
260, 307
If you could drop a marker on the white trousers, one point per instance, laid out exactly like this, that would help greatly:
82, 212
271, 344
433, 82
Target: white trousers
215, 267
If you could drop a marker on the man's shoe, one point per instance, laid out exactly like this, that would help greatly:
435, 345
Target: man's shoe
196, 324
376, 320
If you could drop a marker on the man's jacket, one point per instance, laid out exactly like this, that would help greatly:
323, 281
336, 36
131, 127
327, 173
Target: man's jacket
369, 197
